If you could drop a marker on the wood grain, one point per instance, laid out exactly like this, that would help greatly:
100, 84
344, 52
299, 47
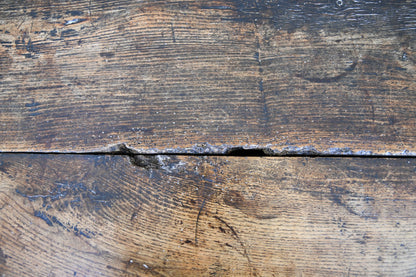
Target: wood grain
204, 76
82, 215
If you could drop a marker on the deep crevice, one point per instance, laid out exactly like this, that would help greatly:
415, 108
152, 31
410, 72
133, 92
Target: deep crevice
136, 156
235, 152
241, 152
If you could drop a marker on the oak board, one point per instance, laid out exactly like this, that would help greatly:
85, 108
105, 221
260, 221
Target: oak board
87, 85
326, 77
96, 215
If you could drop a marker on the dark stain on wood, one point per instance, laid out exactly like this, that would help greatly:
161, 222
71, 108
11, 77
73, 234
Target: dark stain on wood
61, 195
75, 13
251, 207
148, 162
69, 33
355, 203
332, 15
44, 217
107, 54
342, 197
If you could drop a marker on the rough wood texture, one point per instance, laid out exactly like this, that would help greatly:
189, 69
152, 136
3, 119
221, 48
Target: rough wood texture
195, 76
65, 215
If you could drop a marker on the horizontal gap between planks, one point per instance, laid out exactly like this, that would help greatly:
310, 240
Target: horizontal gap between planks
234, 153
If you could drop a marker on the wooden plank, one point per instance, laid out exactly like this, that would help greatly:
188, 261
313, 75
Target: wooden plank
66, 215
195, 76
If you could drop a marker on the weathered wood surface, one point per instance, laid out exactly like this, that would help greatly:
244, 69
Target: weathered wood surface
65, 215
195, 76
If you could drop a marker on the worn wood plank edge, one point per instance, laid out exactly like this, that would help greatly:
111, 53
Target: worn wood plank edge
227, 150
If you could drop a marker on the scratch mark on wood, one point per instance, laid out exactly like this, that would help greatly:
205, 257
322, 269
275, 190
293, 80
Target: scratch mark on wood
197, 220
237, 237
329, 79
173, 33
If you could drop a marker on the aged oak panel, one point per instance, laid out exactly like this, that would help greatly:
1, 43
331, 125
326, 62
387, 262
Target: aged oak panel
204, 76
91, 215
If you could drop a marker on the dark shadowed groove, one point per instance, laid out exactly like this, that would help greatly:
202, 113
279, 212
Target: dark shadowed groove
231, 152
